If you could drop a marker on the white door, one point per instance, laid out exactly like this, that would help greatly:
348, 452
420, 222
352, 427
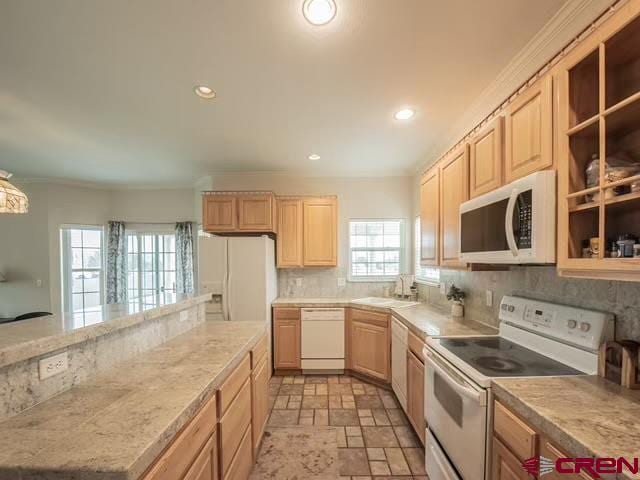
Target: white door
249, 278
399, 340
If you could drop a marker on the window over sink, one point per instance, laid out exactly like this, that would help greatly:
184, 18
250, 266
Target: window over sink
376, 249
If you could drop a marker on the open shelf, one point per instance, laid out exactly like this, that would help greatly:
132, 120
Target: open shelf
583, 225
583, 144
622, 216
622, 128
584, 84
622, 64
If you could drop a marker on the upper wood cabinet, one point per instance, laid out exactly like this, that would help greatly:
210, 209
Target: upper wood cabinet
454, 189
486, 158
227, 212
320, 232
286, 338
290, 240
369, 343
529, 131
430, 217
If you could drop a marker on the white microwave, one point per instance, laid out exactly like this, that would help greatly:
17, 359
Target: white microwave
512, 224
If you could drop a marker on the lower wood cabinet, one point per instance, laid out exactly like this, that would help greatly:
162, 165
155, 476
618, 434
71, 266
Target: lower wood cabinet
415, 392
259, 402
286, 338
232, 426
206, 465
369, 343
505, 465
242, 463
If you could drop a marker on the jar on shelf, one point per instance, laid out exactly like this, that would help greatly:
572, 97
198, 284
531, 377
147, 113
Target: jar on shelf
626, 241
636, 250
592, 178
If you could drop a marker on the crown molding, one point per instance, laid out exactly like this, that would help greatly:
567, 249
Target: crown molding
568, 22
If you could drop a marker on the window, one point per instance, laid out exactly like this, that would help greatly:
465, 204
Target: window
82, 267
423, 274
151, 264
375, 249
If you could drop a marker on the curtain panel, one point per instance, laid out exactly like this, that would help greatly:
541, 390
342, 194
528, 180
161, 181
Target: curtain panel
184, 257
116, 263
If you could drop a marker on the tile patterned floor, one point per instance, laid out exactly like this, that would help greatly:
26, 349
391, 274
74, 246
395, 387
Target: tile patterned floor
375, 439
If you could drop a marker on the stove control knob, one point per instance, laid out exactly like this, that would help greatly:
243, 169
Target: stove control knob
572, 324
585, 327
511, 308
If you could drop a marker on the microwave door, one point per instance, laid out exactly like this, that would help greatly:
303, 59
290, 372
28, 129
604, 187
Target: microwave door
482, 230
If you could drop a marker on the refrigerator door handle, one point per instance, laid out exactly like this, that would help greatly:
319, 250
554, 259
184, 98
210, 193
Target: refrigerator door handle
224, 297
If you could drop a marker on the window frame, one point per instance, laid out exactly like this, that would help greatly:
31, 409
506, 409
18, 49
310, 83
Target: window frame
158, 274
417, 266
66, 265
402, 250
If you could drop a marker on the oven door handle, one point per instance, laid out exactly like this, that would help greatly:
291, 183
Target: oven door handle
462, 389
508, 222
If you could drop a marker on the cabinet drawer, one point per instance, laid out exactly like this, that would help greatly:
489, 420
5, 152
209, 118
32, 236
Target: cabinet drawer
286, 313
367, 316
181, 453
233, 384
259, 351
416, 345
242, 463
233, 425
514, 433
206, 465
549, 451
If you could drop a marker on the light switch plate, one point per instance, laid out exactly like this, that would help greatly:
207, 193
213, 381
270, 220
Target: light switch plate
342, 282
489, 298
50, 366
184, 315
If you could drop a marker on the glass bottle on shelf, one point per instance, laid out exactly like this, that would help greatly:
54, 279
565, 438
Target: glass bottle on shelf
592, 178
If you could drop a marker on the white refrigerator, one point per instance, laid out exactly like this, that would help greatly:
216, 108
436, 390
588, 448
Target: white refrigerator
242, 270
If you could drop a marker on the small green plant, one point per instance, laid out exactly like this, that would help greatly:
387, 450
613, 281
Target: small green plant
455, 294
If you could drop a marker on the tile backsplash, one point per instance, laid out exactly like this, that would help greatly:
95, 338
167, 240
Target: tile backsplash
323, 282
541, 283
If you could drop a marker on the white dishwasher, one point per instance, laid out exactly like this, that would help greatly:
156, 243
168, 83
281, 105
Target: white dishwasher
399, 341
322, 339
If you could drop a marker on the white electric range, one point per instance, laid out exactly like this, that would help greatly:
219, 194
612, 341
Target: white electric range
535, 339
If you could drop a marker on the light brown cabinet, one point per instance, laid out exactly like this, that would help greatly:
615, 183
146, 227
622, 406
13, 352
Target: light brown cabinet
513, 442
206, 465
242, 463
529, 131
454, 189
415, 394
286, 338
228, 212
430, 217
505, 465
486, 158
548, 450
259, 401
369, 343
320, 232
290, 240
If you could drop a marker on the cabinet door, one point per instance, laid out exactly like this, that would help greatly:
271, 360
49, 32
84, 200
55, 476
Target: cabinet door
320, 232
232, 425
551, 452
370, 349
454, 186
429, 217
219, 213
415, 394
486, 157
289, 242
260, 402
286, 343
505, 465
206, 465
255, 213
529, 131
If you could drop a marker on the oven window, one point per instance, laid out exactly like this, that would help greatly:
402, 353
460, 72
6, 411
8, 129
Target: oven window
448, 399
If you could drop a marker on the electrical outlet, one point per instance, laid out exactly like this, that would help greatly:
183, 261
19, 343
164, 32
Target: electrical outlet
184, 315
443, 288
50, 366
489, 298
342, 282
299, 282
39, 283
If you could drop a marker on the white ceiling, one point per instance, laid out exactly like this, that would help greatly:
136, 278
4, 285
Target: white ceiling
102, 90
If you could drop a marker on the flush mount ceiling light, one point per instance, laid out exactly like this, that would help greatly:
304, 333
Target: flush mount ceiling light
204, 92
404, 114
319, 12
314, 157
12, 200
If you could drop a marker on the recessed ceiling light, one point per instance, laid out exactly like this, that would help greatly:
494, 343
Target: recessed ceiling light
319, 12
404, 114
204, 92
314, 157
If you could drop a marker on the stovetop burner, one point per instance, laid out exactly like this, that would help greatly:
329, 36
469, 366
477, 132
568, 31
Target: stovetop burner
499, 357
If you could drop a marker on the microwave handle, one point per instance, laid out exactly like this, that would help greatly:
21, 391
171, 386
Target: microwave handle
508, 223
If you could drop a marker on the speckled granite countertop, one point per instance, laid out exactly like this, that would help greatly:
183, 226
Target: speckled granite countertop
37, 336
115, 425
584, 416
422, 319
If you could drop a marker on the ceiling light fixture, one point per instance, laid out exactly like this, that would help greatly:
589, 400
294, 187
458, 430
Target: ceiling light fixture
314, 157
204, 92
404, 114
319, 12
12, 200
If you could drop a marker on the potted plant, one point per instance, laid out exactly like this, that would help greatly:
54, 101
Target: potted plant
457, 295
